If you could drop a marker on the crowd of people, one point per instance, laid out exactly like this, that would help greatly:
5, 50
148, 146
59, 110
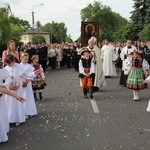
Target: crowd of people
23, 69
22, 79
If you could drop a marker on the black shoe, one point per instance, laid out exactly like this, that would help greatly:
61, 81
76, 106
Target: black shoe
107, 76
35, 97
91, 93
40, 96
85, 93
91, 96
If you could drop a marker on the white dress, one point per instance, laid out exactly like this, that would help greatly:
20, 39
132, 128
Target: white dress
148, 107
108, 56
4, 123
16, 111
30, 106
59, 56
3, 133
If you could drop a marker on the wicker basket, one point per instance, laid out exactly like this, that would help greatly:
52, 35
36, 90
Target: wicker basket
14, 86
24, 84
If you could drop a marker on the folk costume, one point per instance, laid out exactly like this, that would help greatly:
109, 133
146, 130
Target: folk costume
38, 83
30, 106
136, 77
126, 56
86, 71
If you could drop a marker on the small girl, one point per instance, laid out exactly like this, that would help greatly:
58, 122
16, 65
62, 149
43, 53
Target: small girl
146, 81
29, 74
38, 82
86, 71
5, 80
16, 111
3, 130
135, 77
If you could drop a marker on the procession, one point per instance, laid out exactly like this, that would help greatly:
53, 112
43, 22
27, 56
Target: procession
88, 93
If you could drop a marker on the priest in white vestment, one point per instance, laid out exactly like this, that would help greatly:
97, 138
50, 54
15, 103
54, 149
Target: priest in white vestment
99, 79
108, 56
126, 56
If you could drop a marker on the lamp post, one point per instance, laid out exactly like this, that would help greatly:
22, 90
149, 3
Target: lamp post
33, 16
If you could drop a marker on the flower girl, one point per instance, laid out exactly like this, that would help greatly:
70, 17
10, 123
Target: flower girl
29, 74
16, 110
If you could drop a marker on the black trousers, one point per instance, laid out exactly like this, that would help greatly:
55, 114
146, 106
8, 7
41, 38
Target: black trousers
53, 63
43, 64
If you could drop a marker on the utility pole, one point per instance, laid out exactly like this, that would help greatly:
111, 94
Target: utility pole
33, 17
38, 26
33, 23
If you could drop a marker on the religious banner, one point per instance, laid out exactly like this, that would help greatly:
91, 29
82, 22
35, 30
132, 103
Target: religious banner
89, 29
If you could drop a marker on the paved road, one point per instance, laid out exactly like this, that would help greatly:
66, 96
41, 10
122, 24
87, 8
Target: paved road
66, 121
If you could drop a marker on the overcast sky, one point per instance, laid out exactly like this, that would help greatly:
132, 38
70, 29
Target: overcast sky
67, 11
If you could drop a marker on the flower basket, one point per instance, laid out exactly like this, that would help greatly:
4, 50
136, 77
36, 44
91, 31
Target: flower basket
14, 86
24, 84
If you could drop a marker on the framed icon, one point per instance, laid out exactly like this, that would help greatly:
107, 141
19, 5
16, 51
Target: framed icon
89, 29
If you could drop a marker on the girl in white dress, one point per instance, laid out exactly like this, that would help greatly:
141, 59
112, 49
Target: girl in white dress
4, 127
30, 107
16, 110
146, 81
3, 131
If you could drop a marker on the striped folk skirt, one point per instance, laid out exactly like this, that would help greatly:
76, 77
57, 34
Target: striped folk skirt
135, 80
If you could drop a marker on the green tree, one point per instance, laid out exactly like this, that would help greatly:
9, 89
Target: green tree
5, 29
38, 39
18, 26
10, 28
58, 31
145, 33
140, 16
109, 21
16, 32
124, 33
68, 38
23, 24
